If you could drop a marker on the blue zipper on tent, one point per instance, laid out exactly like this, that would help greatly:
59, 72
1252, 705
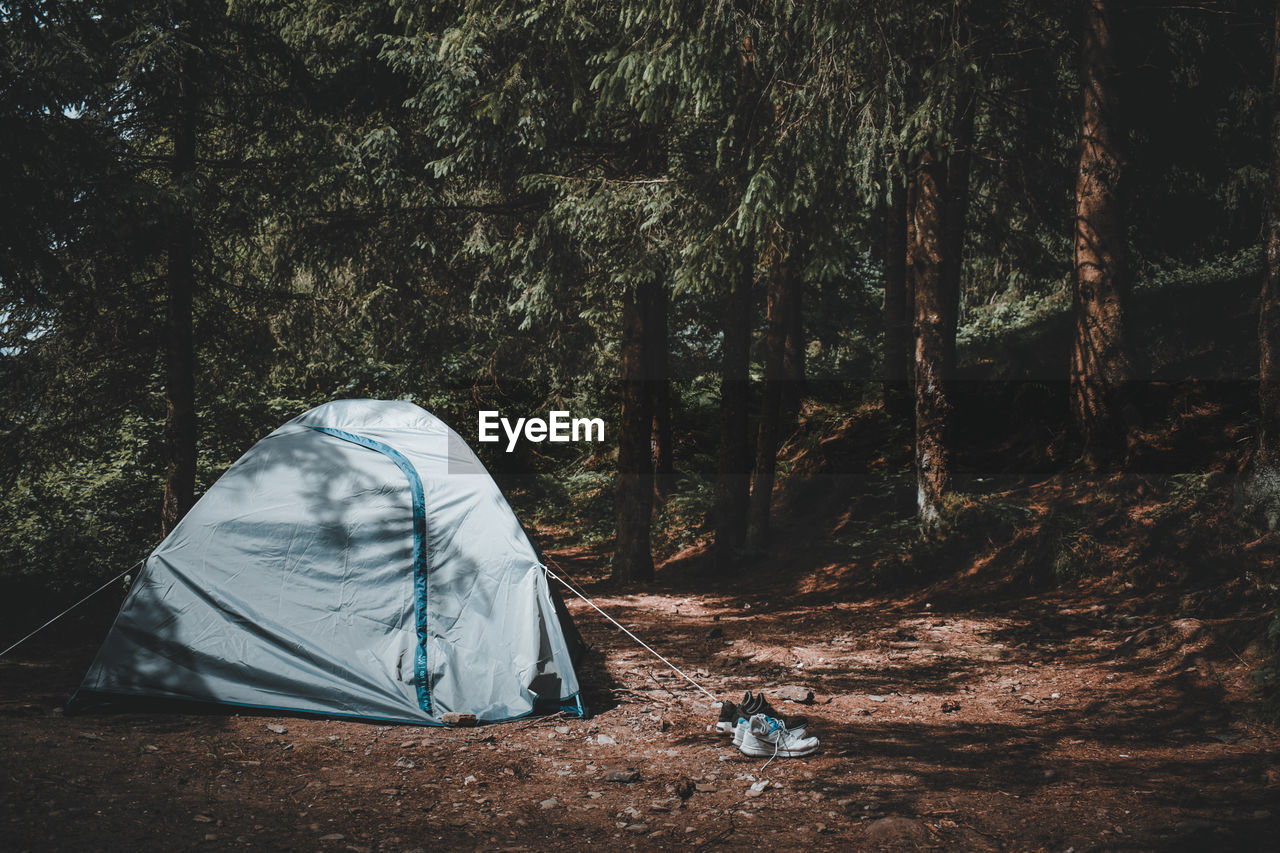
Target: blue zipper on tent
420, 668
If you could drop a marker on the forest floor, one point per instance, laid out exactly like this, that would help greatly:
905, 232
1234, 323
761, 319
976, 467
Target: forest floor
1067, 720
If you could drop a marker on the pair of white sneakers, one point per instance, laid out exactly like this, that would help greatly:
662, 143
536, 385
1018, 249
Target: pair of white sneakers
762, 735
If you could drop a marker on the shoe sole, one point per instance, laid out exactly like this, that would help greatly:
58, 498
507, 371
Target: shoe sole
726, 728
782, 752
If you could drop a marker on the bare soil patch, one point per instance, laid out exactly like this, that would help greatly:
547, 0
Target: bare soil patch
1054, 723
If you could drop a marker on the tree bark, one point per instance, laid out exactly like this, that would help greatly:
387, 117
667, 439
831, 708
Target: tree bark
780, 302
956, 216
632, 557
180, 407
1099, 363
793, 348
898, 310
733, 482
657, 345
932, 405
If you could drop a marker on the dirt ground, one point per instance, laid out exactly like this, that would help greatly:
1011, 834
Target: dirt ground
1062, 722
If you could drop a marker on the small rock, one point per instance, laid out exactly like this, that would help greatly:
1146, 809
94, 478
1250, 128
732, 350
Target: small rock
1055, 695
564, 730
278, 729
799, 695
549, 803
950, 706
621, 774
333, 836
605, 740
705, 788
685, 788
876, 698
405, 763
461, 720
897, 831
202, 818
638, 828
470, 780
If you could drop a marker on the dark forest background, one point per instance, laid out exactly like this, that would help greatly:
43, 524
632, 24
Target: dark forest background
900, 288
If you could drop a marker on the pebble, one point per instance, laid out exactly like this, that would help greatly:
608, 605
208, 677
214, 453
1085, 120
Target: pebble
605, 739
549, 803
621, 774
800, 695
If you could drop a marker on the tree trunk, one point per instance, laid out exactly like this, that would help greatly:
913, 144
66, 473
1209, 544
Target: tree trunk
956, 215
1263, 478
780, 302
793, 347
932, 406
632, 558
180, 406
898, 309
1099, 365
657, 345
733, 482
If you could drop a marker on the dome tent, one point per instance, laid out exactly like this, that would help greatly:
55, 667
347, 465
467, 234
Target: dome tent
358, 561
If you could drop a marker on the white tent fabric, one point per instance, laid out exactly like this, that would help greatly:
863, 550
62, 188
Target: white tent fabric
357, 561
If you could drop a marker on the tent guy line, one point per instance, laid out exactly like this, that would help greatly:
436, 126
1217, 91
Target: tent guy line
624, 630
72, 607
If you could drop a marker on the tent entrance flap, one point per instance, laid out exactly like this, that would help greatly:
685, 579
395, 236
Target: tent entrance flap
420, 568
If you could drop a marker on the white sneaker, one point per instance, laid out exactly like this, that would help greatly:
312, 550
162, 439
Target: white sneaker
740, 729
765, 736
